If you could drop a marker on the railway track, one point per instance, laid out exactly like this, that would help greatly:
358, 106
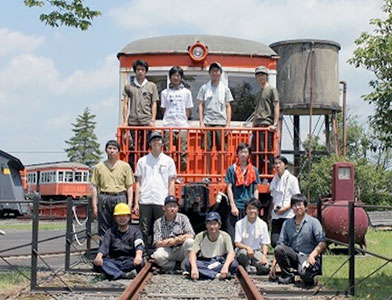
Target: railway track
162, 287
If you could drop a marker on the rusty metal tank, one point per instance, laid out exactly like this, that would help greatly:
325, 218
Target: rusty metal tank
336, 221
308, 70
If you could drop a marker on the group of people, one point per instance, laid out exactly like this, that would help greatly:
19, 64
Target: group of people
297, 238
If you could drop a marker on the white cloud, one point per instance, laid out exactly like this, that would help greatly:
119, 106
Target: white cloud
13, 41
266, 21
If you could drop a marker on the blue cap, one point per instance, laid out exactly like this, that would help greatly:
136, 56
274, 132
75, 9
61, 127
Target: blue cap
213, 216
171, 199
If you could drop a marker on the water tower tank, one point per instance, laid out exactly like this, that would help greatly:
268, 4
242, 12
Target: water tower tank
305, 66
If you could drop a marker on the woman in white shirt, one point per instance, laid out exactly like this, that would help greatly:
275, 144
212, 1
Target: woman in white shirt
282, 187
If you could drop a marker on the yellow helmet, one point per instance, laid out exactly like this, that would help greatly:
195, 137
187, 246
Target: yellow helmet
121, 209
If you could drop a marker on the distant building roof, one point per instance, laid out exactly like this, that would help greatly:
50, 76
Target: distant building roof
179, 44
56, 164
15, 161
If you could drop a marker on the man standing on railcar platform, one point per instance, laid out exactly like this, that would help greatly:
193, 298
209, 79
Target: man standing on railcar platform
111, 184
139, 105
214, 107
266, 116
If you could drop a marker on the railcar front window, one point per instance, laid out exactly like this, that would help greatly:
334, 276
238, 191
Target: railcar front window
243, 89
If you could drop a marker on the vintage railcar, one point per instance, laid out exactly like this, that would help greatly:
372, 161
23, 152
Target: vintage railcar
201, 185
58, 180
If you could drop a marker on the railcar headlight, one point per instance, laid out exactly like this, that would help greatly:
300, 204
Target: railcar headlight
198, 52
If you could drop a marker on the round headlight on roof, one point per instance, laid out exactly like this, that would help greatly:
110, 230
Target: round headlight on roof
198, 51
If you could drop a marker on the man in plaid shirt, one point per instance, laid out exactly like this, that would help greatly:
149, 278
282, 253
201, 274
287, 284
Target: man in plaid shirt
173, 237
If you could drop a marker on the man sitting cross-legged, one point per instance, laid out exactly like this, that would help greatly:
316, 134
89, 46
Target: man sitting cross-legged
173, 237
121, 249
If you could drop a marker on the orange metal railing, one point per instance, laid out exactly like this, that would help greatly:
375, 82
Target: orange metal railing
202, 162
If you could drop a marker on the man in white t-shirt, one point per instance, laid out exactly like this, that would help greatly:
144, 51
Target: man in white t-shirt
252, 239
176, 101
155, 175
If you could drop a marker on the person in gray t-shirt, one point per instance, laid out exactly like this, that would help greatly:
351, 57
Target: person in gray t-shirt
214, 108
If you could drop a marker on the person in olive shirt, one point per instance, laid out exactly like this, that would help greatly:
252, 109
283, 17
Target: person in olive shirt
111, 184
139, 107
266, 115
212, 254
121, 250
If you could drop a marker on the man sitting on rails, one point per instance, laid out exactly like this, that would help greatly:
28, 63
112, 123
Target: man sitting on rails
121, 250
212, 255
252, 239
111, 184
300, 244
173, 237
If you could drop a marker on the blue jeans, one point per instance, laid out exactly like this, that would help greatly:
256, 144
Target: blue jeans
210, 273
114, 268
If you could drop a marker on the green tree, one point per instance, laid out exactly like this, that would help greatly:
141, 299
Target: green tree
72, 13
374, 52
372, 165
83, 146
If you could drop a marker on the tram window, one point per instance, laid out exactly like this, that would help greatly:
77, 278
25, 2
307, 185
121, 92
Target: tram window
68, 177
32, 178
52, 176
60, 177
85, 176
78, 176
243, 89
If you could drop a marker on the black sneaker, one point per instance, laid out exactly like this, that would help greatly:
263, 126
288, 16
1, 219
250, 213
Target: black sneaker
309, 284
286, 280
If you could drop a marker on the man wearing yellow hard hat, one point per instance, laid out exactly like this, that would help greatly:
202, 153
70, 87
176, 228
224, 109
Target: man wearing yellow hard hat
121, 250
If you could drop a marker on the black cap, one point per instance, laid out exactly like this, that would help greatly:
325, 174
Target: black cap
154, 135
171, 199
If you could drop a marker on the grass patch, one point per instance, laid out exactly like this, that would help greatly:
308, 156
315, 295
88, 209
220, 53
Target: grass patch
8, 280
28, 226
378, 286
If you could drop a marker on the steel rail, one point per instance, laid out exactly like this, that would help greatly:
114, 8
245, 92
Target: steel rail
250, 289
133, 289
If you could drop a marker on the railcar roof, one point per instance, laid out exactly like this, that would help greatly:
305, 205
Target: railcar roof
14, 161
179, 44
56, 164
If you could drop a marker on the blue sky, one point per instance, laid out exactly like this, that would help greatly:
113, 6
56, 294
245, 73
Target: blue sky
49, 75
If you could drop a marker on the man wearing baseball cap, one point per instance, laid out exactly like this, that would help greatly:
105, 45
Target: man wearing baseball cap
155, 174
266, 116
212, 254
121, 249
173, 237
